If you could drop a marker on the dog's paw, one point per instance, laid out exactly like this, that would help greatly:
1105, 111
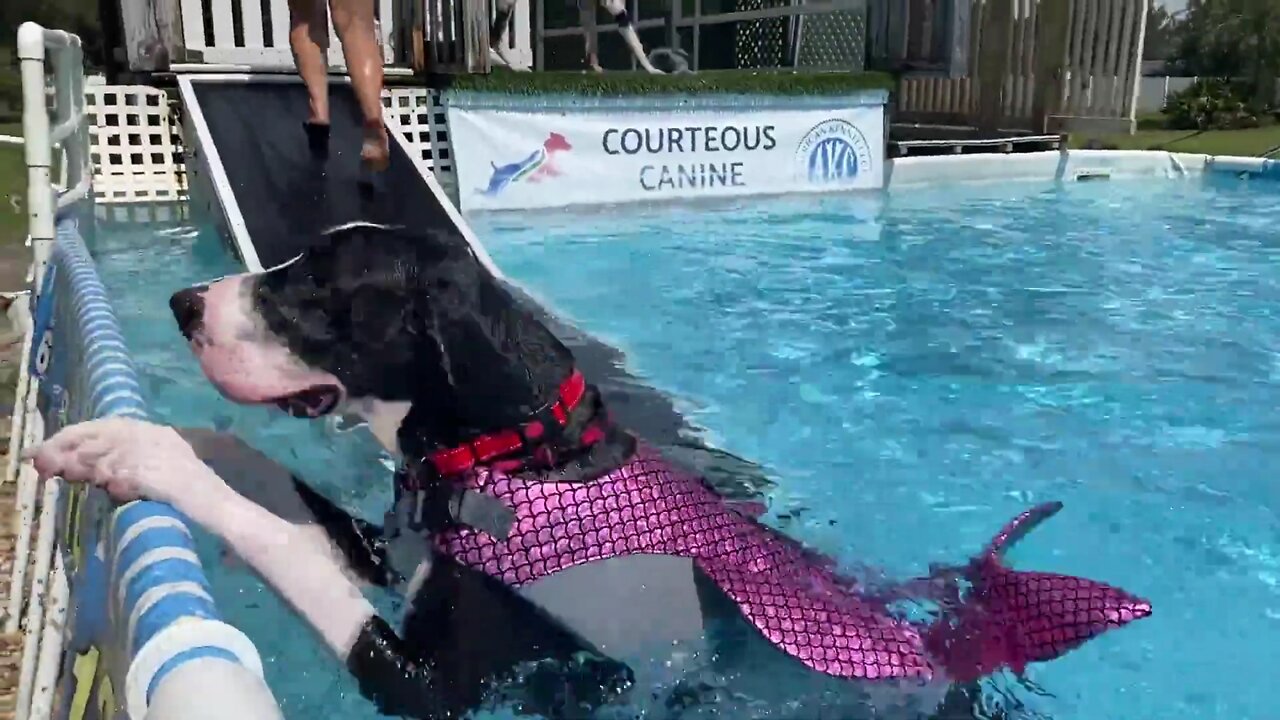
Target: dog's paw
496, 59
499, 58
130, 459
668, 61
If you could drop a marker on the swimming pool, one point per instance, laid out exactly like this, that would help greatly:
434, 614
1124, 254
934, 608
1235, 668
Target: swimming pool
911, 370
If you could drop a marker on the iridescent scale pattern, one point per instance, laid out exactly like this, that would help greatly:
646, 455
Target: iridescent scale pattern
789, 594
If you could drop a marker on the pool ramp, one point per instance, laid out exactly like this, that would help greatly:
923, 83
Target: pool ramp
249, 162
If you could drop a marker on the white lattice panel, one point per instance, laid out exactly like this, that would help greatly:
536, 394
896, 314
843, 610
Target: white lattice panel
420, 114
135, 145
143, 214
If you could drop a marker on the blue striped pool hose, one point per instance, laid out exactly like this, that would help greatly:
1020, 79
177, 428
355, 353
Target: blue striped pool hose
159, 599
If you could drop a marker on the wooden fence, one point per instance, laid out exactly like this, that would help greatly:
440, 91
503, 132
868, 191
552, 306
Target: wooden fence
1038, 65
253, 35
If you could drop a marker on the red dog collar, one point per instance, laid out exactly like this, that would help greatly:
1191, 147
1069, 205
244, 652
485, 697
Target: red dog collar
457, 460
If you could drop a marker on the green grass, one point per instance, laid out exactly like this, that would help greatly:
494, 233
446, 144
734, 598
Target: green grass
13, 182
751, 82
1252, 142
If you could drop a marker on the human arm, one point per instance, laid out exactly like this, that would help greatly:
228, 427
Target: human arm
131, 459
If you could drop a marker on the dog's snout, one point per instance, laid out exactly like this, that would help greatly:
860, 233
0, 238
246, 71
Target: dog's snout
188, 310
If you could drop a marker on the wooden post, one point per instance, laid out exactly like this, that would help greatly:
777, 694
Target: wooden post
957, 37
917, 29
1134, 65
416, 16
897, 27
993, 62
539, 35
697, 34
475, 36
455, 36
152, 33
674, 10
1053, 27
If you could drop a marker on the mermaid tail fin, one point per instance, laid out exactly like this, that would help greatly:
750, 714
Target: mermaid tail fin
1010, 618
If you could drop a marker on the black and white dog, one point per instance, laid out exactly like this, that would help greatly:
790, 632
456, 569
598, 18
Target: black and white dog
541, 545
499, 54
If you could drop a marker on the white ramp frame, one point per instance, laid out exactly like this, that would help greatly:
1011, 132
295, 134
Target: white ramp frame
201, 147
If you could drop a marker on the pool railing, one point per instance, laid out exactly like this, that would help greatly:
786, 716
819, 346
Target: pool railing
116, 611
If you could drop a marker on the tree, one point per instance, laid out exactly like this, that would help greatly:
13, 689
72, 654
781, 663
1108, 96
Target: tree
1232, 39
1162, 33
77, 16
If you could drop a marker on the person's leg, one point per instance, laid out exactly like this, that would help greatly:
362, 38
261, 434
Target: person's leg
353, 19
309, 40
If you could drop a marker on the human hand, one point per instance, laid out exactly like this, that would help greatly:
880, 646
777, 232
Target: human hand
130, 459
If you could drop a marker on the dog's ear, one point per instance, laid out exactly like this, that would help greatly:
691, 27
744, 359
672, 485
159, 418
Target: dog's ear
380, 315
395, 338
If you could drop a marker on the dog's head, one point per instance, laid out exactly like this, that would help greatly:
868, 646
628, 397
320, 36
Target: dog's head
556, 143
371, 316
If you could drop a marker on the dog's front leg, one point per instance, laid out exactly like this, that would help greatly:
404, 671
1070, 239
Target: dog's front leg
498, 53
590, 37
618, 9
353, 543
391, 673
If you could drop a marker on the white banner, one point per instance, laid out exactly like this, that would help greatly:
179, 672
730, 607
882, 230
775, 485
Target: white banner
533, 159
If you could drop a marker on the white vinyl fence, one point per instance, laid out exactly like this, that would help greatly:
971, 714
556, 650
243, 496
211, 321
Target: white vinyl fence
1155, 90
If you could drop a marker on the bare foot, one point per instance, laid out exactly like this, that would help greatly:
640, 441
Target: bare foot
375, 153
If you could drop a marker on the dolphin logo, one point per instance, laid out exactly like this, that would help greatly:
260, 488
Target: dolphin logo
534, 167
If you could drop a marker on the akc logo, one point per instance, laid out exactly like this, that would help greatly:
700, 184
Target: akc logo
833, 152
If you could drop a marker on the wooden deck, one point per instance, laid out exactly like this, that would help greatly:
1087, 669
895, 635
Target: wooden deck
919, 139
1038, 65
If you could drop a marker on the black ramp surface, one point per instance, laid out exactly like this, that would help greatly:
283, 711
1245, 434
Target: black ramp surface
287, 197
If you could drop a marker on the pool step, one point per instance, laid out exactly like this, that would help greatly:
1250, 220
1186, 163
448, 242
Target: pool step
1091, 175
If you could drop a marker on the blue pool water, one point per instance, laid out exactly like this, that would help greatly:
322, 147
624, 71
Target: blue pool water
911, 371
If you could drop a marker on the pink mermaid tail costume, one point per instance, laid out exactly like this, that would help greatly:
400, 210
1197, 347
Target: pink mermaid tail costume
793, 596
